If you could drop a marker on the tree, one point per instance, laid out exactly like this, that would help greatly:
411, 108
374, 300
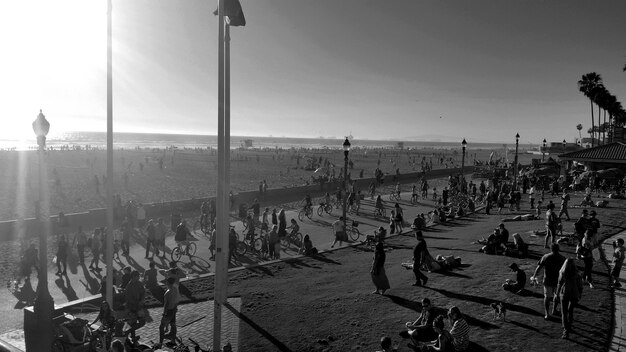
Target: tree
586, 85
579, 127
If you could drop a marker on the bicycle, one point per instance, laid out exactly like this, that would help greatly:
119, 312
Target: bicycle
307, 211
414, 198
353, 230
202, 224
380, 212
324, 207
255, 243
189, 250
371, 240
394, 196
295, 238
72, 334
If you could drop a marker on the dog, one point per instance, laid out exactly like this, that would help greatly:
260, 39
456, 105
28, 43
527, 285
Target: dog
499, 310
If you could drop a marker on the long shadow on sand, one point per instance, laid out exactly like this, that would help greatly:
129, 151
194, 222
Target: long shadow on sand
279, 345
485, 301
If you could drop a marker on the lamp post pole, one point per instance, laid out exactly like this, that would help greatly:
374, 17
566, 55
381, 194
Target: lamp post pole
543, 150
564, 144
516, 162
464, 144
346, 151
41, 339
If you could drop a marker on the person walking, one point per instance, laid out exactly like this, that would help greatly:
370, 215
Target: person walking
584, 252
531, 196
135, 295
150, 239
551, 224
618, 261
570, 288
419, 252
272, 240
80, 239
564, 204
96, 246
171, 298
551, 264
62, 256
340, 232
379, 277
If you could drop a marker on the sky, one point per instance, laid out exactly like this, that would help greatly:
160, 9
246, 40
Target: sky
395, 69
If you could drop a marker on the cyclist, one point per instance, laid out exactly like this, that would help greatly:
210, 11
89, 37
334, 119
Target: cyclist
308, 203
295, 228
250, 235
181, 234
414, 193
379, 204
204, 214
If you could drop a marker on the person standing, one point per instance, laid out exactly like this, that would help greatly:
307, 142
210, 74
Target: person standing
531, 196
581, 225
150, 238
170, 307
618, 261
551, 264
141, 216
593, 226
551, 224
127, 228
271, 242
564, 204
570, 287
81, 241
379, 277
159, 237
282, 224
62, 256
419, 252
339, 230
135, 295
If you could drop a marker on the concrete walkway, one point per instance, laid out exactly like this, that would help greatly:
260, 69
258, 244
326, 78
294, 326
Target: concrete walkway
618, 342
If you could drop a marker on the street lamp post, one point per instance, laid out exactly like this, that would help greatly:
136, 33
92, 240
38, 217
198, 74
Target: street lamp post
346, 151
516, 162
464, 144
543, 150
38, 333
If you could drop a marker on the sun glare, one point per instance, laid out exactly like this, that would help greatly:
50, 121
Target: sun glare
52, 52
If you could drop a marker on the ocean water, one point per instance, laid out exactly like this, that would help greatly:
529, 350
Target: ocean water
154, 140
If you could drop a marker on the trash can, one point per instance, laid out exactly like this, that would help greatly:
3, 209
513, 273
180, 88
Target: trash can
175, 220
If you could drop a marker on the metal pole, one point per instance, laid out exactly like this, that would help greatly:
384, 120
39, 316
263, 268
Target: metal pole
345, 180
515, 172
463, 167
44, 304
221, 256
109, 234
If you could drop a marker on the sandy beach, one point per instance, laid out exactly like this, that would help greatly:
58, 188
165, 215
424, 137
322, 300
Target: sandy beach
189, 173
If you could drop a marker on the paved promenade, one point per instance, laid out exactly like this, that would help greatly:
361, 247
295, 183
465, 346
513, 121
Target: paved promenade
618, 343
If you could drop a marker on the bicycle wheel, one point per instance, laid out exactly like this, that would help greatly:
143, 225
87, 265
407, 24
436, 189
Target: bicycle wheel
57, 346
191, 249
284, 242
329, 210
301, 215
309, 213
176, 254
257, 244
320, 210
354, 233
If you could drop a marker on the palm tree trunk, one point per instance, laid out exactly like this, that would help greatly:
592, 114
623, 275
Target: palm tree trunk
599, 117
592, 121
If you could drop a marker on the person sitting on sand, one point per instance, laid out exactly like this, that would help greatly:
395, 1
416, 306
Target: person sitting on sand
443, 343
422, 328
525, 217
518, 284
459, 330
307, 246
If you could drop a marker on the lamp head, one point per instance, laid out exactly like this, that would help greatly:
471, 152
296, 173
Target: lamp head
464, 143
564, 142
41, 127
544, 142
517, 137
346, 147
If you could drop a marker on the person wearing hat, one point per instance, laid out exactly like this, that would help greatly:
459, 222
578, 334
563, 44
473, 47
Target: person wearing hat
520, 280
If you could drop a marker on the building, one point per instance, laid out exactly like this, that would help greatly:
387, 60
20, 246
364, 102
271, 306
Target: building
611, 155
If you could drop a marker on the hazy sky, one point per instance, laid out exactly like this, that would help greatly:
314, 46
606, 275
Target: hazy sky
406, 69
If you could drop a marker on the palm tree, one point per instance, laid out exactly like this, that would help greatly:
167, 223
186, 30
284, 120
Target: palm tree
586, 85
579, 127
